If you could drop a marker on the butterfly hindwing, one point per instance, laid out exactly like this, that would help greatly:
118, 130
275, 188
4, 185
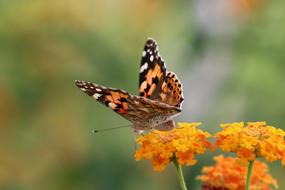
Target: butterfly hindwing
171, 90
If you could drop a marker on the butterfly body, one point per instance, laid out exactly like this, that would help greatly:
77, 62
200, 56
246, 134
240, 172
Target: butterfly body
160, 94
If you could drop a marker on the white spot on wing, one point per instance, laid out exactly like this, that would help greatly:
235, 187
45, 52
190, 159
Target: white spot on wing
144, 67
151, 58
144, 53
96, 96
112, 105
98, 90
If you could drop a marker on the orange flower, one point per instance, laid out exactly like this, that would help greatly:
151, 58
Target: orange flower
181, 143
228, 174
253, 140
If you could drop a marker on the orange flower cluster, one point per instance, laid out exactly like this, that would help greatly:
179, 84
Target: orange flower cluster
228, 174
253, 140
181, 143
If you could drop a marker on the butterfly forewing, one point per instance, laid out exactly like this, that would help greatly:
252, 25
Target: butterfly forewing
154, 81
152, 70
114, 98
139, 110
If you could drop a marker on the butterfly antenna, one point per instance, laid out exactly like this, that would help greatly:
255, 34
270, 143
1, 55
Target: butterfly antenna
110, 129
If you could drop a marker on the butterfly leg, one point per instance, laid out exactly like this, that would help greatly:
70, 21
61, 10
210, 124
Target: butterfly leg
136, 134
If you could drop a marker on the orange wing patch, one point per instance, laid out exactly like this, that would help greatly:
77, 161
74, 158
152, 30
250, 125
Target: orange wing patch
118, 102
153, 76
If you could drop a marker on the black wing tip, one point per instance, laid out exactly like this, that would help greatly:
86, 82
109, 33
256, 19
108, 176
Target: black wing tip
151, 39
79, 83
86, 87
151, 42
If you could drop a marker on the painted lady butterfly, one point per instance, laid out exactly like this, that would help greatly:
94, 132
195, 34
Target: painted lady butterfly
160, 94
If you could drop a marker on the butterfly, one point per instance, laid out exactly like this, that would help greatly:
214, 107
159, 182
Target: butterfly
160, 94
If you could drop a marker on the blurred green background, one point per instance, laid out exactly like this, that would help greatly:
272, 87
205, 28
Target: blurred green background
229, 56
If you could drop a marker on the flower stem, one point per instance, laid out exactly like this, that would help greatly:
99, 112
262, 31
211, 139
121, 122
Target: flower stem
249, 172
180, 174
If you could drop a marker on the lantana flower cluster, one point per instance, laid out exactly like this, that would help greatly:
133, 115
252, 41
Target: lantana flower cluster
248, 141
228, 174
181, 143
255, 139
